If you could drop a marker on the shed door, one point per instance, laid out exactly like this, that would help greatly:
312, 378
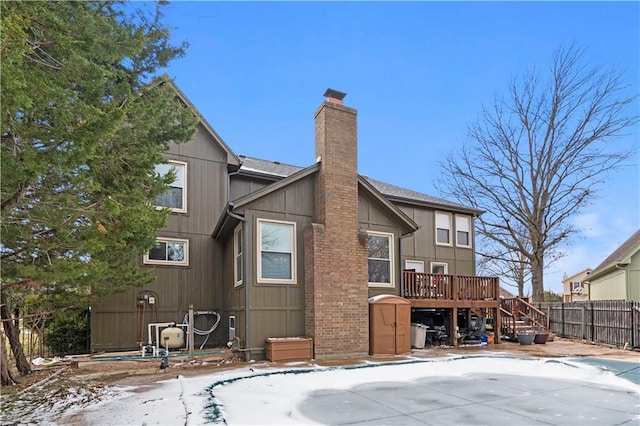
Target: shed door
391, 329
403, 329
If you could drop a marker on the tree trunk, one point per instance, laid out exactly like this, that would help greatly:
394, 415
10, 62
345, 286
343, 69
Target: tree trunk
537, 284
12, 332
6, 378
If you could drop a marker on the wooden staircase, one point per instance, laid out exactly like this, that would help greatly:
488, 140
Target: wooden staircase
518, 316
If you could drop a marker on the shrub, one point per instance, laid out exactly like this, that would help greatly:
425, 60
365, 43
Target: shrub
66, 334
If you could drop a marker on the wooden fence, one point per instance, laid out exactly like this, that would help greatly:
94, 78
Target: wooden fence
32, 323
612, 322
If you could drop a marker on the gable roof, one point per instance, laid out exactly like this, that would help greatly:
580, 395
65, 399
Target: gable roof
275, 170
621, 255
585, 272
403, 195
229, 218
267, 169
232, 159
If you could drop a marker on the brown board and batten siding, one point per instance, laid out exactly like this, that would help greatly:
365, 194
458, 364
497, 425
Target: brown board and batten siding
115, 321
421, 245
277, 310
372, 217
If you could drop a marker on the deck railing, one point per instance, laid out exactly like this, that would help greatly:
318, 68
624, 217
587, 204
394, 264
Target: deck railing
418, 285
519, 308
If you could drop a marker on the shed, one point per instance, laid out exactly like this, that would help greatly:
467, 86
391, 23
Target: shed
389, 325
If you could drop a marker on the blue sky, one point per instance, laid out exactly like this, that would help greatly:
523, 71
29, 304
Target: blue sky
417, 72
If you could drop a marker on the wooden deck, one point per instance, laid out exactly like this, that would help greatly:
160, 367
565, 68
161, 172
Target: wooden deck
450, 291
480, 295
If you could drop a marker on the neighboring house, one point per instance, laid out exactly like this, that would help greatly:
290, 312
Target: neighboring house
576, 287
618, 276
283, 251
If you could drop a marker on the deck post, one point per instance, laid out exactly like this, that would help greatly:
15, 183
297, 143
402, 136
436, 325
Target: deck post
497, 329
454, 326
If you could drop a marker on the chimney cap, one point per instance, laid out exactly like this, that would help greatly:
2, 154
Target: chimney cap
334, 94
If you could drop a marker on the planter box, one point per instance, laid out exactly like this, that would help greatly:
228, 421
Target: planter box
289, 348
541, 338
526, 339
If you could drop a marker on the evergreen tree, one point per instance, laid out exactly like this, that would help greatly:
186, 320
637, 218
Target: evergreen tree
84, 121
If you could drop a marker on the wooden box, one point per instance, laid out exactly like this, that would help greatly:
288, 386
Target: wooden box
289, 348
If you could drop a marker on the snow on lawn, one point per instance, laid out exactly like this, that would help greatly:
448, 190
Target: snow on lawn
260, 394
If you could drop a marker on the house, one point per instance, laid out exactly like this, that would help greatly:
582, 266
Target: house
576, 288
618, 276
262, 249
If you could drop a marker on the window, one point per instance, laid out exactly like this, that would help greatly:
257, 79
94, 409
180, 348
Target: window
439, 268
238, 247
176, 196
443, 228
168, 251
463, 231
276, 252
577, 284
416, 265
380, 259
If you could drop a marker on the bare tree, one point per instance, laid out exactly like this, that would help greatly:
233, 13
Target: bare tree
509, 265
538, 156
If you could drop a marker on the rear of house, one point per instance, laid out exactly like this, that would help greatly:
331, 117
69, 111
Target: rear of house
274, 250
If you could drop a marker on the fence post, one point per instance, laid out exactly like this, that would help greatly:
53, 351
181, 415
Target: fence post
593, 325
562, 311
633, 325
88, 313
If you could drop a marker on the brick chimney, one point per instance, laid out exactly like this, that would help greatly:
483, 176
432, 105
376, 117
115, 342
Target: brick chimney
336, 292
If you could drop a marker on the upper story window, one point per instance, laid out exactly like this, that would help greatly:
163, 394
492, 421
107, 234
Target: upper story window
576, 284
463, 231
176, 196
443, 228
168, 251
238, 248
276, 252
380, 246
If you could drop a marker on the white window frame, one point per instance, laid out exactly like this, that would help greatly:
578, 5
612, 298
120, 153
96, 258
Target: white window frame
294, 261
439, 218
183, 166
443, 264
391, 239
238, 253
464, 221
418, 265
185, 262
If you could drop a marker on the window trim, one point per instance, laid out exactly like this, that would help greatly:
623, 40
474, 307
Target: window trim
392, 277
238, 251
294, 256
450, 228
184, 188
444, 264
469, 230
416, 262
185, 262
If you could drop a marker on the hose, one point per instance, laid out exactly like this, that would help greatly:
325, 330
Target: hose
202, 332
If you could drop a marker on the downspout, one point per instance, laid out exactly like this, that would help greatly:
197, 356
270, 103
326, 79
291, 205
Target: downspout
247, 264
247, 270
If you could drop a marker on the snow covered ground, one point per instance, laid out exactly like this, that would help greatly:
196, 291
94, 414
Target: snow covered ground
260, 394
